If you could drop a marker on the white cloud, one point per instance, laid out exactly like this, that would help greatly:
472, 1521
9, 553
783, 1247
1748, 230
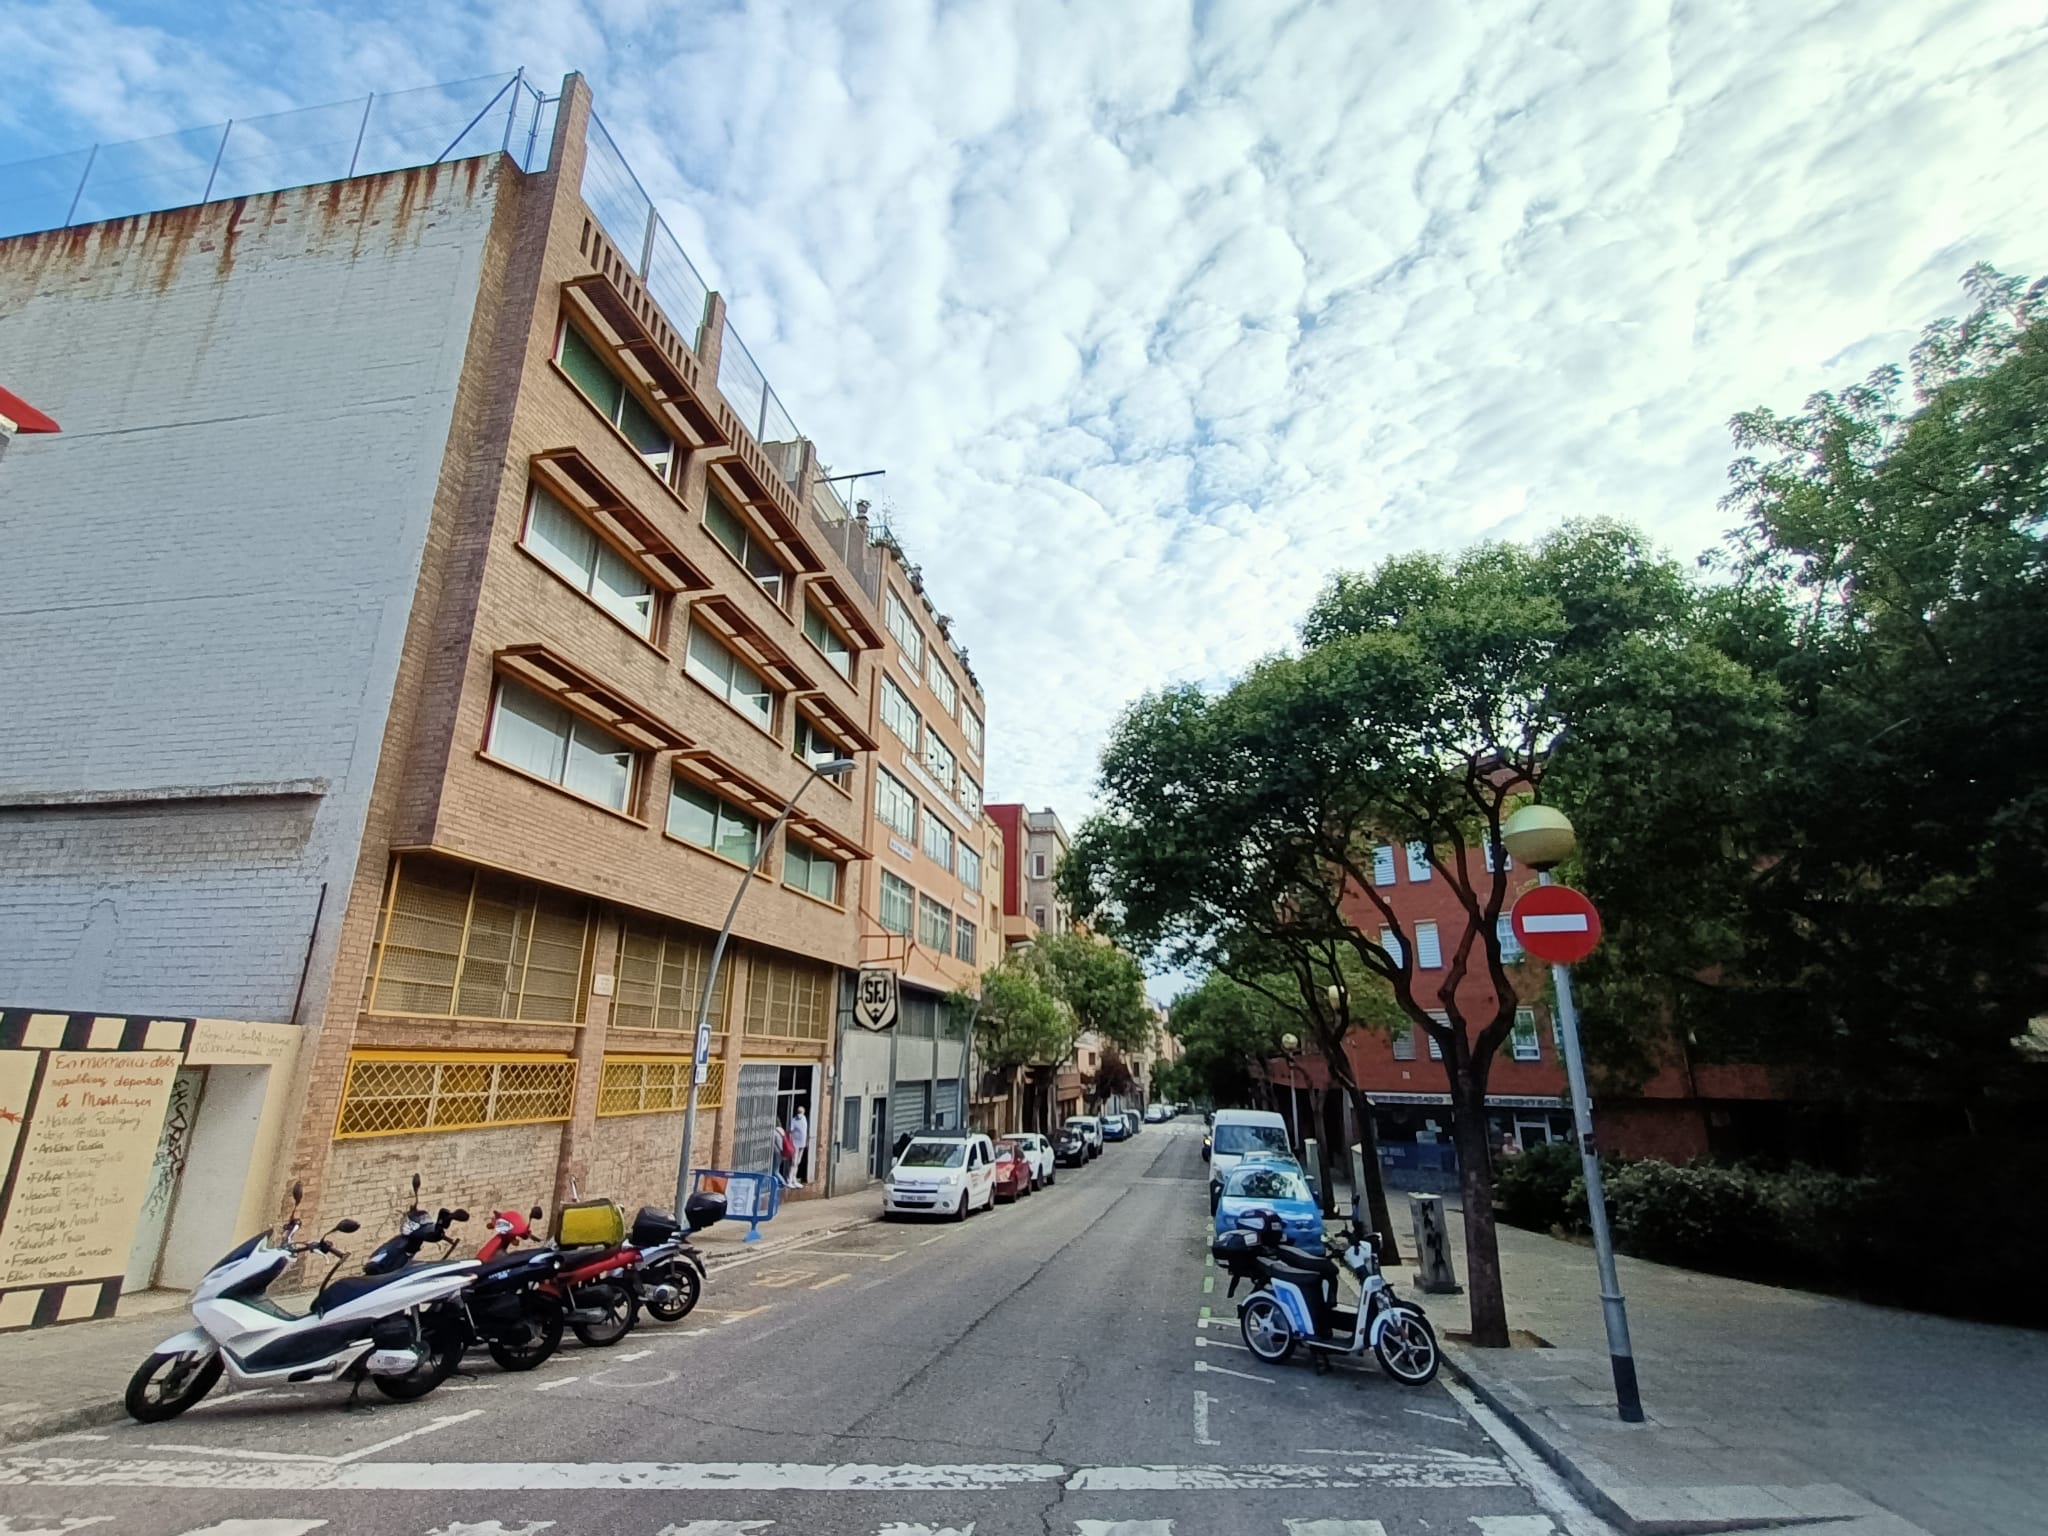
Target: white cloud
1156, 314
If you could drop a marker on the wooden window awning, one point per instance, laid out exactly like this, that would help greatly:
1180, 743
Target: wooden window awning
739, 484
574, 480
548, 670
847, 613
836, 722
751, 641
729, 783
829, 838
597, 299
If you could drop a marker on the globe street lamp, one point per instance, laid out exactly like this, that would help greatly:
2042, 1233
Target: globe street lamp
833, 768
1290, 1045
1541, 837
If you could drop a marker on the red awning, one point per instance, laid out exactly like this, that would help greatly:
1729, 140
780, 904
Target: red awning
19, 416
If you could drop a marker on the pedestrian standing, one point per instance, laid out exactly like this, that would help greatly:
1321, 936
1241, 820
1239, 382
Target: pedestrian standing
785, 1154
800, 1138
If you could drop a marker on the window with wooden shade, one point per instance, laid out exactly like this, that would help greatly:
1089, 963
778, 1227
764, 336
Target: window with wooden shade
461, 943
788, 1000
661, 978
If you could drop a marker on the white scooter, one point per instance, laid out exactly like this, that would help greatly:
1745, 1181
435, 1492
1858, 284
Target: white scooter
398, 1330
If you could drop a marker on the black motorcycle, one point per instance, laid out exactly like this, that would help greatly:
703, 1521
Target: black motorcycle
669, 1278
503, 1310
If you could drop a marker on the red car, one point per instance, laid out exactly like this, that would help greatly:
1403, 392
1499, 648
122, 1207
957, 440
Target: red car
1013, 1172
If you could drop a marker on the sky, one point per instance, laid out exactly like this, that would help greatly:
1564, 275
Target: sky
1159, 313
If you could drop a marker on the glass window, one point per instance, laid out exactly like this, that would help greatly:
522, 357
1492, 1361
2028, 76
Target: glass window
1429, 950
938, 760
970, 868
815, 747
730, 678
1404, 1041
538, 735
700, 817
970, 727
933, 1154
1528, 1044
588, 369
1383, 864
970, 797
1391, 945
828, 641
896, 805
1260, 1182
934, 925
805, 869
942, 683
896, 902
964, 936
787, 999
938, 841
571, 548
741, 542
1510, 946
1418, 862
1236, 1140
896, 613
898, 713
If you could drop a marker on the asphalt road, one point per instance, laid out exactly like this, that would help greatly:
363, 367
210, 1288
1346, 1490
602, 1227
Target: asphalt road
1057, 1366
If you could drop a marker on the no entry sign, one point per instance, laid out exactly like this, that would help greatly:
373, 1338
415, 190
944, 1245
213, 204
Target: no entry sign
1556, 923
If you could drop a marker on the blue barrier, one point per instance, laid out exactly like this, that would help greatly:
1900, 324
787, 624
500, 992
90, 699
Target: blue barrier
749, 1197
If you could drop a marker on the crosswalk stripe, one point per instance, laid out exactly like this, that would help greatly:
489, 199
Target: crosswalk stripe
64, 1526
1335, 1528
1514, 1525
491, 1528
716, 1528
1123, 1528
259, 1528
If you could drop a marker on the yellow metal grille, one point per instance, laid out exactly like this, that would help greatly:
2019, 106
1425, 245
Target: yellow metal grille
647, 1085
787, 1000
388, 1095
661, 977
464, 943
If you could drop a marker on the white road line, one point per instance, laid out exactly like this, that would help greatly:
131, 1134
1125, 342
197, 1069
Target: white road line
830, 1280
241, 1455
1202, 1420
1513, 1525
1549, 1489
1364, 1470
638, 1354
715, 1528
64, 1526
1441, 1418
410, 1434
259, 1528
1220, 1370
1201, 1343
559, 1381
491, 1528
904, 1528
1334, 1528
926, 1242
1123, 1528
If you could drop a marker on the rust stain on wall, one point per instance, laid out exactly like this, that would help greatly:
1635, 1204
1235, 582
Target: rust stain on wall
171, 233
225, 262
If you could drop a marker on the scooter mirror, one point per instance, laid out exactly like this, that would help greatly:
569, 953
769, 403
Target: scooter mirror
415, 1187
298, 1191
348, 1224
458, 1214
536, 1214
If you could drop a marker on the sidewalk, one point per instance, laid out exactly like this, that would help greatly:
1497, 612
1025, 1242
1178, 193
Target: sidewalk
60, 1380
1766, 1407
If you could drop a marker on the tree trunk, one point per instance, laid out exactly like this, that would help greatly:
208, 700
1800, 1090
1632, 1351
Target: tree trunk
1378, 1217
1482, 1244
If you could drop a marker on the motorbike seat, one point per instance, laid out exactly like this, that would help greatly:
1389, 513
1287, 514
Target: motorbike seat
576, 1258
531, 1258
1302, 1258
349, 1287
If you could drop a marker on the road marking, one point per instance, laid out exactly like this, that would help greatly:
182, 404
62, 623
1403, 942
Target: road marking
226, 1450
638, 1354
411, 1434
1361, 1470
559, 1381
1548, 1488
783, 1279
1513, 1525
715, 1528
926, 1242
491, 1528
903, 1528
1123, 1528
258, 1528
1202, 1419
1202, 1343
879, 1258
1441, 1418
740, 1317
1208, 1285
831, 1280
1205, 1314
1334, 1528
65, 1523
472, 1386
1219, 1370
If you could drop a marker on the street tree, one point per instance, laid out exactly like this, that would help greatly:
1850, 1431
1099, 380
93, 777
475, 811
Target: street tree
1101, 984
1227, 1035
1021, 1023
1422, 706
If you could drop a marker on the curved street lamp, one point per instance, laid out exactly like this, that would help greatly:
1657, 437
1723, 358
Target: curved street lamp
834, 768
1290, 1047
1541, 836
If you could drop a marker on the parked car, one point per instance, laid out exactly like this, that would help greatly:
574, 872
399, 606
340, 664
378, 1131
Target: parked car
1158, 1114
1091, 1127
1013, 1179
1038, 1152
1114, 1128
942, 1173
1234, 1133
1276, 1188
1133, 1121
1070, 1147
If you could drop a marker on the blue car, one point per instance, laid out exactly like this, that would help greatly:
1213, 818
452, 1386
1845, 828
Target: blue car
1113, 1128
1275, 1187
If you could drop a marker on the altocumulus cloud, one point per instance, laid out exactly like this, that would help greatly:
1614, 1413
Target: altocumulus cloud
1156, 313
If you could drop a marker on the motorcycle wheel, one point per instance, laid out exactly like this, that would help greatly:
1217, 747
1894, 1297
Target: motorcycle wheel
1407, 1348
440, 1352
540, 1335
164, 1386
688, 1289
622, 1311
1267, 1333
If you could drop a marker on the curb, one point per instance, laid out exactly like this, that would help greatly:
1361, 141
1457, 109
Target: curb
773, 1245
61, 1421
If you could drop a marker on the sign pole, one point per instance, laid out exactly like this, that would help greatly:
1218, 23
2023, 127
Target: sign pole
1627, 1398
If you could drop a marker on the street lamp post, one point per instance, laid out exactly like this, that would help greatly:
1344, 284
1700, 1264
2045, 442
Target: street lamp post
1541, 837
701, 1057
1290, 1044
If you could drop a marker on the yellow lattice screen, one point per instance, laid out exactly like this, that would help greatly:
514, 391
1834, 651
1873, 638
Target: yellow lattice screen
647, 1085
461, 943
661, 978
389, 1094
788, 1000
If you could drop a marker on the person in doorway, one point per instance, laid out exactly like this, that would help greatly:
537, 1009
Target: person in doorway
800, 1141
1509, 1146
785, 1154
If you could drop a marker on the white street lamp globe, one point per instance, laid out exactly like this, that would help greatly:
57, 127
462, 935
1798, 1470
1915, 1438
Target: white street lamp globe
1290, 1042
1538, 835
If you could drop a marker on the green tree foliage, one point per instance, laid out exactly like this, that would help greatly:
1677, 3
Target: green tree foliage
1022, 1022
1101, 983
1226, 1033
1172, 1083
1238, 829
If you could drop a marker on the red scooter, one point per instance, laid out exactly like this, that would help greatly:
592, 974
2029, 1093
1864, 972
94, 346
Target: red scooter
594, 1285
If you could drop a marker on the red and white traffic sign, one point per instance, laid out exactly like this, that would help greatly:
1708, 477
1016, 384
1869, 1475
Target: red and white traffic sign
1556, 923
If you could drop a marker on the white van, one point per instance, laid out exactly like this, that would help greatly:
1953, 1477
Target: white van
1236, 1132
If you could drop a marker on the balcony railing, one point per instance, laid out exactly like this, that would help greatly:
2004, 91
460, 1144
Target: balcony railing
493, 114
